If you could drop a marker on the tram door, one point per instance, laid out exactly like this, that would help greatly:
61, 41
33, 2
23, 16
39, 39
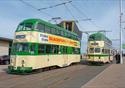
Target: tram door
65, 55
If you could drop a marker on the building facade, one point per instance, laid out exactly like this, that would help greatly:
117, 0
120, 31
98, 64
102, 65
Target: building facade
5, 46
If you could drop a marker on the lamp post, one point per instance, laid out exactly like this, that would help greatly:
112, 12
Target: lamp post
120, 25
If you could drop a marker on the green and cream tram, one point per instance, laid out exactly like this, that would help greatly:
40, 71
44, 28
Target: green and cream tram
99, 49
39, 44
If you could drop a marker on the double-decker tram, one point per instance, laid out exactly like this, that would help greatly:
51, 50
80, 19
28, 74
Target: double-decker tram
99, 49
39, 44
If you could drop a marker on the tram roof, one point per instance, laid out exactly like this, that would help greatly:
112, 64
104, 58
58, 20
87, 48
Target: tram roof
34, 20
99, 36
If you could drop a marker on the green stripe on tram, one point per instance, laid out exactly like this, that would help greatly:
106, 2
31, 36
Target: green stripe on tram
97, 55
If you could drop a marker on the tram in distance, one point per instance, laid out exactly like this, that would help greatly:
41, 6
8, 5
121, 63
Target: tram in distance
40, 44
99, 49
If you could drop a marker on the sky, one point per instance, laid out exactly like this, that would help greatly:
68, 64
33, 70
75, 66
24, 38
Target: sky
104, 15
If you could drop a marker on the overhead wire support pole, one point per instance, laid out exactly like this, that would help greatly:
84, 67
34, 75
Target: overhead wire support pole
121, 13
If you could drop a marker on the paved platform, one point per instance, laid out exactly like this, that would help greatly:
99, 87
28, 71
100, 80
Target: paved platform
3, 68
111, 77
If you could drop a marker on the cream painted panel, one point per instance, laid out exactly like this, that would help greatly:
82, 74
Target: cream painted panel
100, 43
56, 60
73, 58
44, 61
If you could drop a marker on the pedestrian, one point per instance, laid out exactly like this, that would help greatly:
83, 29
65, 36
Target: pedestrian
117, 57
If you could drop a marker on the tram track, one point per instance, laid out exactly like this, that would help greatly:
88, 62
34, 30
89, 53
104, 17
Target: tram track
62, 72
69, 77
45, 75
49, 79
6, 76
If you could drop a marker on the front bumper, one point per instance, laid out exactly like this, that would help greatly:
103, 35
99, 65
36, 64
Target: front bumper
19, 70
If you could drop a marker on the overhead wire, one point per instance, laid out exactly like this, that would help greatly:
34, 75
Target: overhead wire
56, 5
81, 12
26, 3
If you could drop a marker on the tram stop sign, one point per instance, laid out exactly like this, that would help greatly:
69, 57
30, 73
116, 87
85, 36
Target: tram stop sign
123, 46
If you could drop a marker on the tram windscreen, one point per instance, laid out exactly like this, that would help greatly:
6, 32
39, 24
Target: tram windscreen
94, 50
21, 47
25, 26
91, 50
28, 26
97, 50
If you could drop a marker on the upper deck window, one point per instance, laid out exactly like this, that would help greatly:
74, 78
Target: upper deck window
47, 29
20, 27
25, 27
40, 27
28, 26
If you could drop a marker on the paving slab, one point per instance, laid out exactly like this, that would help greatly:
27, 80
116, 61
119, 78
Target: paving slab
3, 68
111, 77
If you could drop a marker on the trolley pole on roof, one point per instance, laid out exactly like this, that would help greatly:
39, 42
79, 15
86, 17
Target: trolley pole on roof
121, 13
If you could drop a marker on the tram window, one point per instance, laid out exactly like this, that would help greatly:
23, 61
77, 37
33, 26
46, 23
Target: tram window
69, 35
58, 32
40, 27
69, 50
20, 27
64, 50
65, 34
41, 49
48, 49
28, 26
22, 47
47, 29
62, 33
91, 50
103, 50
97, 50
54, 50
76, 50
75, 37
72, 36
52, 30
108, 51
32, 48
